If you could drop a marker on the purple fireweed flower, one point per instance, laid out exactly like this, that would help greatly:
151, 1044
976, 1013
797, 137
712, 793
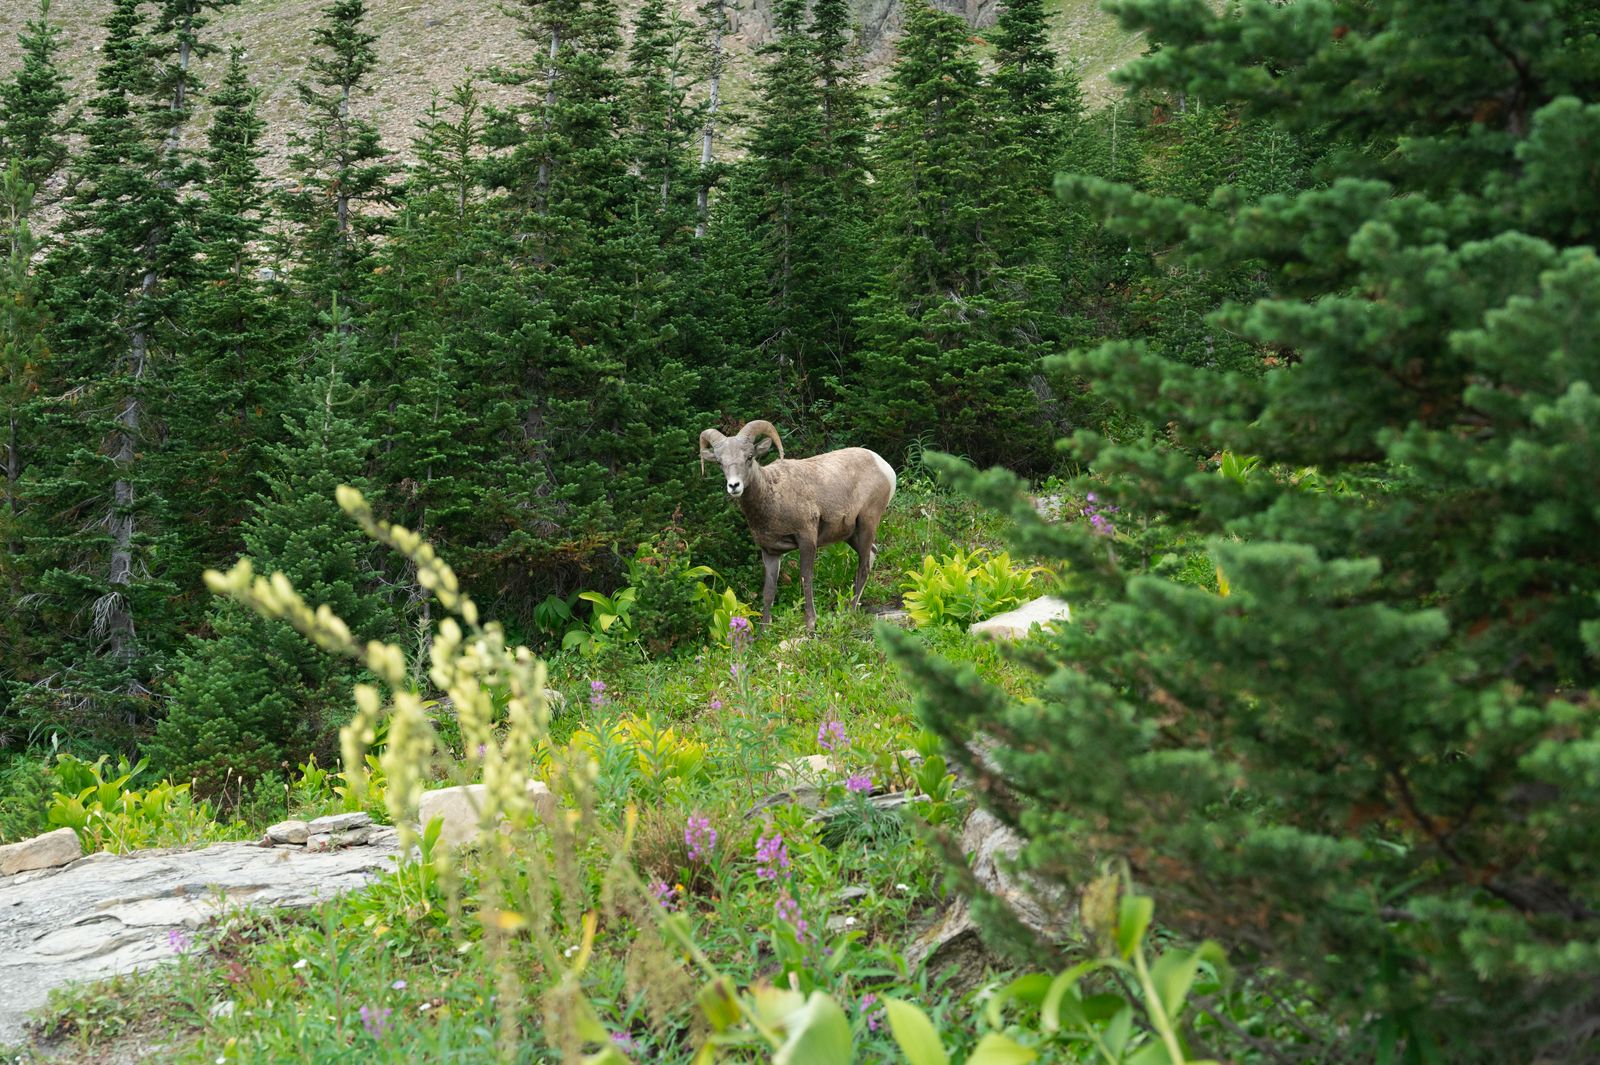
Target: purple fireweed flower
664, 894
375, 1019
735, 669
772, 856
858, 783
623, 1041
716, 704
789, 913
597, 692
178, 940
700, 838
873, 1017
831, 735
739, 633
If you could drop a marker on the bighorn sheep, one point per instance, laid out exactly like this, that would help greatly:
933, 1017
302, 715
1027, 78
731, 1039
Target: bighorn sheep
802, 504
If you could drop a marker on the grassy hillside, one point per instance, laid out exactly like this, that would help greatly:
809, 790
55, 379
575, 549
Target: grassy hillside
426, 46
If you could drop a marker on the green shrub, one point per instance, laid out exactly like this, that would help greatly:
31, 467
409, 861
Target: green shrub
109, 814
966, 586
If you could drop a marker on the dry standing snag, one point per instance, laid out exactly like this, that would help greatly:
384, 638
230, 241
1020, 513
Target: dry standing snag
802, 504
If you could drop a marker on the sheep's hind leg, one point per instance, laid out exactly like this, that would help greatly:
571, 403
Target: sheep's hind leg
866, 554
769, 591
808, 560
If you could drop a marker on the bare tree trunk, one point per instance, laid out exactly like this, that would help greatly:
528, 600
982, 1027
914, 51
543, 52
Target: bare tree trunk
542, 196
715, 13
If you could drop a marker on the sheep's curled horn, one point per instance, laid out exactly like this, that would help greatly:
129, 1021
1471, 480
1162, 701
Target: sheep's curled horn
757, 428
714, 439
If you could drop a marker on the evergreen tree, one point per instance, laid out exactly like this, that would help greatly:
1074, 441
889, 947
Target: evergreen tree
340, 162
226, 394
33, 101
446, 410
22, 350
948, 345
252, 696
1365, 755
784, 180
94, 571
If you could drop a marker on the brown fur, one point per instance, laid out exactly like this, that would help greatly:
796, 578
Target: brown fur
803, 504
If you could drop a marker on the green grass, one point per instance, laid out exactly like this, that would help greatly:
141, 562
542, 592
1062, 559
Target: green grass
292, 988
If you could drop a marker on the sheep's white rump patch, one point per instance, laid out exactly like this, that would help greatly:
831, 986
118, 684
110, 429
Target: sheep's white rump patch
888, 471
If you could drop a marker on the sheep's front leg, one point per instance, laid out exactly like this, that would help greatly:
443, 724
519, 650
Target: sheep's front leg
808, 560
769, 591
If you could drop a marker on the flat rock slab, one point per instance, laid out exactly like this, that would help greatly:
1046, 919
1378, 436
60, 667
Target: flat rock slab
108, 913
1044, 611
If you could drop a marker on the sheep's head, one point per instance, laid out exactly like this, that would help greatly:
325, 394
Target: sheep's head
739, 454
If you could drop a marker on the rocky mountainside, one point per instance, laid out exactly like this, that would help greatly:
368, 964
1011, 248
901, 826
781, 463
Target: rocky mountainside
426, 46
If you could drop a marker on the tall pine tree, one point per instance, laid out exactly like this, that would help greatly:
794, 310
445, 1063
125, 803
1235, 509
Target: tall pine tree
1365, 755
948, 348
252, 698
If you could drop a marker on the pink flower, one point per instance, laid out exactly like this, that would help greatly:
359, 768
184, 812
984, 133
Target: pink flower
789, 913
772, 856
700, 838
873, 1017
831, 735
664, 893
859, 783
375, 1019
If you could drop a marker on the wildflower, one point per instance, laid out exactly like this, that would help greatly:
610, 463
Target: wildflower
623, 1041
301, 964
902, 887
772, 856
700, 838
570, 951
873, 1017
716, 704
831, 735
735, 669
178, 940
375, 1019
858, 783
597, 692
398, 985
789, 913
664, 893
1096, 514
739, 633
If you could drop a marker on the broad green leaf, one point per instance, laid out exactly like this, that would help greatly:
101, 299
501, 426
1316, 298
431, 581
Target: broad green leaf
1173, 975
1027, 990
915, 1033
997, 1049
1056, 998
819, 1034
718, 1004
1133, 920
1118, 1031
1152, 1053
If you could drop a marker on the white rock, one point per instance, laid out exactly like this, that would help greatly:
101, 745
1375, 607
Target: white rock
112, 913
807, 770
338, 823
41, 852
289, 832
1014, 624
460, 809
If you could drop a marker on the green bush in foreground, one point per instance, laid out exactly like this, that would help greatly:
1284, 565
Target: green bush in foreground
1371, 756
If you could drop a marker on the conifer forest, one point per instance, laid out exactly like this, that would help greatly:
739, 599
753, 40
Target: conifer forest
335, 475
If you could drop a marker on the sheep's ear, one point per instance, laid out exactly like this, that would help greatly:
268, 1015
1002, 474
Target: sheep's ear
763, 446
